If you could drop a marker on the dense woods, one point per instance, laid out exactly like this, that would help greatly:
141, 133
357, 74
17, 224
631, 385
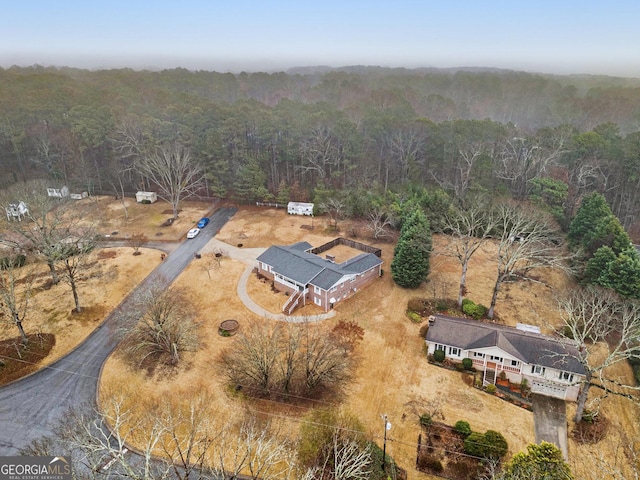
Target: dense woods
309, 133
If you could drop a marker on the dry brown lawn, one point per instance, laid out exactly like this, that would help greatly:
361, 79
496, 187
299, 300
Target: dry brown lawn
110, 276
108, 216
393, 378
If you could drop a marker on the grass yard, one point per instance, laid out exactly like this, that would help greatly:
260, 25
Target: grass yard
110, 218
393, 376
110, 276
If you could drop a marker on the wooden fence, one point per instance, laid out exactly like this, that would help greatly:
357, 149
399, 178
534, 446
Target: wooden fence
349, 243
276, 205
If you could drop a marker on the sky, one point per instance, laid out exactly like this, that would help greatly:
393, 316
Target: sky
561, 36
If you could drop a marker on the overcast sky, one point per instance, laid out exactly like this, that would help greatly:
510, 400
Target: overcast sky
560, 36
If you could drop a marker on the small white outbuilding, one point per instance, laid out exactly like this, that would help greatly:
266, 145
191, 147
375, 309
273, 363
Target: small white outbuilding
16, 210
300, 208
143, 197
58, 192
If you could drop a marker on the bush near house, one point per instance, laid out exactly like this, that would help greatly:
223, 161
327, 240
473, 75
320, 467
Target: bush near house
438, 356
475, 311
467, 363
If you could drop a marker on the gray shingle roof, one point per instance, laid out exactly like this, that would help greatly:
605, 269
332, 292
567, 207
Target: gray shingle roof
295, 263
531, 348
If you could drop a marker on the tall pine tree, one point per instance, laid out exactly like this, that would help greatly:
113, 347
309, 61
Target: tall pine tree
410, 265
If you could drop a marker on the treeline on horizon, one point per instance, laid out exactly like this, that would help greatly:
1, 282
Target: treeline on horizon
291, 135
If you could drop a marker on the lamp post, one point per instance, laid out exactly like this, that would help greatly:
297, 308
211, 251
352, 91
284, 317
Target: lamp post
387, 426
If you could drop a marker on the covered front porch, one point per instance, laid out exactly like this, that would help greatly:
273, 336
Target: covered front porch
491, 370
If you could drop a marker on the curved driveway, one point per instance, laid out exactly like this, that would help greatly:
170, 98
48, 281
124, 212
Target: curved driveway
30, 407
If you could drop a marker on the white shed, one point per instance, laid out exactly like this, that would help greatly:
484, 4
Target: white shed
144, 197
300, 208
16, 210
58, 192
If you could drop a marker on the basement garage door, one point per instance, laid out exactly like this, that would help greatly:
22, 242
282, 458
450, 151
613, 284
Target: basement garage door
548, 389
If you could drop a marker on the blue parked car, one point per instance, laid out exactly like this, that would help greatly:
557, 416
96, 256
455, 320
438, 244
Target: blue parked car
204, 221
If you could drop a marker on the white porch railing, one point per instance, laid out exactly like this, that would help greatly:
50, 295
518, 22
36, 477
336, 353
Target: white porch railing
293, 301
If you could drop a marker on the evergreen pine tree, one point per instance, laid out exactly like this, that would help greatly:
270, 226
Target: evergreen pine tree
410, 265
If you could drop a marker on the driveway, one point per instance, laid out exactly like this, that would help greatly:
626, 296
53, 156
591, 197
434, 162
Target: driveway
31, 407
550, 421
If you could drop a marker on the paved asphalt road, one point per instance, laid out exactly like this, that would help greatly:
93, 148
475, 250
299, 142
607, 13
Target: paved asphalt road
30, 407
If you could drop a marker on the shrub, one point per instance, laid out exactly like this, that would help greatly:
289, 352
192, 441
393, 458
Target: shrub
490, 444
438, 356
491, 388
496, 443
475, 311
459, 366
463, 428
467, 363
474, 444
146, 202
426, 420
441, 306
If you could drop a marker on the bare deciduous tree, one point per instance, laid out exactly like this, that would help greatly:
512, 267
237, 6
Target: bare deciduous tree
378, 222
15, 293
73, 255
522, 159
528, 241
336, 208
178, 439
212, 260
136, 241
349, 461
299, 359
165, 329
255, 449
595, 317
187, 436
470, 226
48, 225
174, 172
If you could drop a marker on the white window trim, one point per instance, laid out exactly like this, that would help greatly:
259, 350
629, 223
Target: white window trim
538, 370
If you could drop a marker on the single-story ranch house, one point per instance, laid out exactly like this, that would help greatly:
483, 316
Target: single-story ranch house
298, 270
548, 364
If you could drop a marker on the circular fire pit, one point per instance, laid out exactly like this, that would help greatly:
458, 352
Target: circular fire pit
228, 328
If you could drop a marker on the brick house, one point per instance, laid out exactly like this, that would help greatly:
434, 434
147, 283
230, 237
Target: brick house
548, 363
307, 277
